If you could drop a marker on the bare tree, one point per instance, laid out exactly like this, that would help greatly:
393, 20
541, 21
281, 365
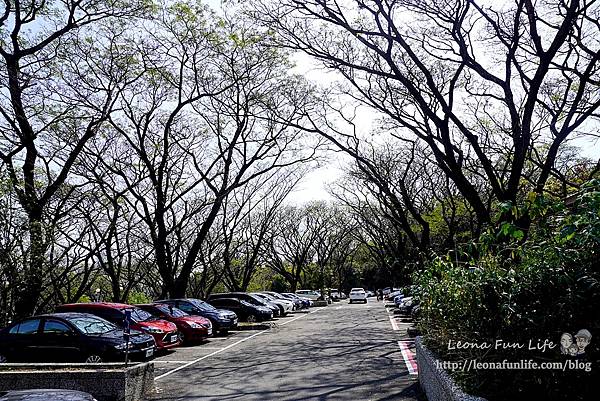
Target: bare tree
59, 88
481, 84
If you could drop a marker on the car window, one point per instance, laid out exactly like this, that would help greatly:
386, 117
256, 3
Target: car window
54, 327
140, 315
92, 325
186, 307
111, 315
27, 327
171, 311
202, 305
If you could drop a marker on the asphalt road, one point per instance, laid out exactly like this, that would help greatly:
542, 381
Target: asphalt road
341, 352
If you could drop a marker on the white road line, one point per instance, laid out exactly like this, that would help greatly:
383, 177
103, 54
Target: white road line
224, 349
394, 324
299, 317
409, 359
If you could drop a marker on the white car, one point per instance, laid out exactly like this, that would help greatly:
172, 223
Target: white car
358, 295
310, 294
284, 306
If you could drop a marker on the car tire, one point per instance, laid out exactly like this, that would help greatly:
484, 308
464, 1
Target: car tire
94, 358
350, 301
252, 319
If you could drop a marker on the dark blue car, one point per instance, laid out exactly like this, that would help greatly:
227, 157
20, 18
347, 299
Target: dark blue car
222, 320
70, 337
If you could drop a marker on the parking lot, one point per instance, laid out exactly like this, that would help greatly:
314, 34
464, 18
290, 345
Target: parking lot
340, 352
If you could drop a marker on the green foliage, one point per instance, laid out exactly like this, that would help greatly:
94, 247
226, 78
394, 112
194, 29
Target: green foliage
520, 290
137, 297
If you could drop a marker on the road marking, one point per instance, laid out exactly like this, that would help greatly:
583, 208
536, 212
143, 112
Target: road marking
409, 357
394, 323
299, 317
195, 361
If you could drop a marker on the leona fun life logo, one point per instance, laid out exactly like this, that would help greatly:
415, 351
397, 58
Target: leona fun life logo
574, 345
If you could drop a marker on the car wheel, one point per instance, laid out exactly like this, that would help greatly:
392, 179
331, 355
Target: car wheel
3, 359
93, 359
252, 319
350, 301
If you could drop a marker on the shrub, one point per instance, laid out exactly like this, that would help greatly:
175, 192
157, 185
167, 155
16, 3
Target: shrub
521, 291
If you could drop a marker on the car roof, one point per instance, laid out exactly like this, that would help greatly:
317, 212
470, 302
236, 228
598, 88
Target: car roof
45, 394
100, 305
225, 299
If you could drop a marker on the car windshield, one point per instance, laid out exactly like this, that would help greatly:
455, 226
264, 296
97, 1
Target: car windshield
266, 296
245, 303
140, 315
92, 325
256, 300
171, 311
202, 305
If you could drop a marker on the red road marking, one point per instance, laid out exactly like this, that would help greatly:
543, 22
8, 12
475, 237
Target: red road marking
409, 358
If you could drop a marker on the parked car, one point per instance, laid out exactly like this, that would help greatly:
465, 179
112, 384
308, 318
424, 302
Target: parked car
191, 328
336, 294
407, 304
358, 295
222, 320
165, 333
393, 294
370, 294
285, 306
70, 337
251, 299
297, 302
45, 395
245, 310
310, 294
305, 301
398, 299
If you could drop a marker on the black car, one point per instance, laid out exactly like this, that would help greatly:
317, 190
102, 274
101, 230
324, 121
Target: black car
45, 395
245, 310
70, 337
251, 299
222, 320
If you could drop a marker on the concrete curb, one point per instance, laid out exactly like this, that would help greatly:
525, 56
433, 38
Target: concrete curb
256, 326
434, 380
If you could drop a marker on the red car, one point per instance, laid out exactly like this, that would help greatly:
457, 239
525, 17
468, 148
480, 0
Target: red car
191, 328
165, 333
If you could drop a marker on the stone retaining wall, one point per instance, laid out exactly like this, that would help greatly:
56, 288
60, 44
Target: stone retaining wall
436, 382
105, 381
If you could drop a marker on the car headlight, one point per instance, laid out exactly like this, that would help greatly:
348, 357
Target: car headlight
122, 346
194, 325
152, 330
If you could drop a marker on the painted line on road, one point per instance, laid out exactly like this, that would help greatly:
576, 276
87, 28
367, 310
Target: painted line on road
195, 361
299, 317
394, 323
409, 357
